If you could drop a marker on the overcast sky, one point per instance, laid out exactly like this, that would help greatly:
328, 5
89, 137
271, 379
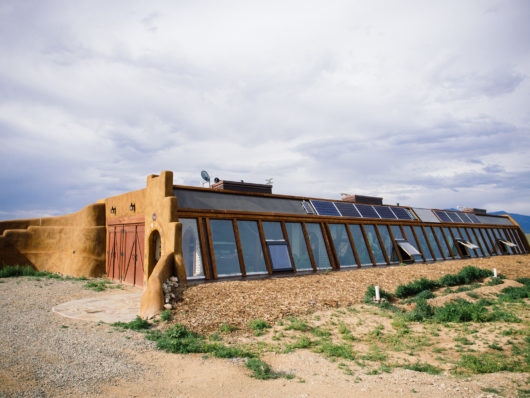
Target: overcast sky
425, 103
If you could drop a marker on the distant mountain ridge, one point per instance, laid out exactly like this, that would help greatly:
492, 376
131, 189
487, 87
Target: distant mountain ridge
522, 220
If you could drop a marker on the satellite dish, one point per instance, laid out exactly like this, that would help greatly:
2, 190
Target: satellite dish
205, 176
216, 180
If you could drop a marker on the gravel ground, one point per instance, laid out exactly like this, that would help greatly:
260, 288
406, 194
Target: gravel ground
43, 354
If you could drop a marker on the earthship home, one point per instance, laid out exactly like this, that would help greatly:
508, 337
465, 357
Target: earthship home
242, 230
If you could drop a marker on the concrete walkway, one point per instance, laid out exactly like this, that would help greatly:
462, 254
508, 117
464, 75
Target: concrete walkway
108, 308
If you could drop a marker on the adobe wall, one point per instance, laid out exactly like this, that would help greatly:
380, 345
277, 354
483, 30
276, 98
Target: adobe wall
73, 244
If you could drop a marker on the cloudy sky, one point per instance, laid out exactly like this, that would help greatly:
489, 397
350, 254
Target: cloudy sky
426, 103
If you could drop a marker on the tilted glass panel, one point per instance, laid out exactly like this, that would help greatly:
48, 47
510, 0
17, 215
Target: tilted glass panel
445, 249
273, 230
493, 239
410, 237
342, 245
388, 244
224, 247
465, 236
251, 247
374, 244
191, 249
432, 241
471, 234
504, 237
298, 246
513, 238
279, 254
484, 241
423, 243
318, 245
360, 244
452, 242
396, 231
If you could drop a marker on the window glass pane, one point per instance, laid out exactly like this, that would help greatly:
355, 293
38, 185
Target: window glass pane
466, 237
432, 241
273, 230
484, 241
387, 243
410, 237
191, 249
423, 243
360, 245
504, 237
396, 231
224, 247
493, 240
280, 259
456, 233
342, 245
510, 233
298, 246
474, 240
374, 244
318, 246
452, 243
439, 235
251, 247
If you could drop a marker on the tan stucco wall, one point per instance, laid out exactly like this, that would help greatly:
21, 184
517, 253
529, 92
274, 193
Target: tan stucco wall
73, 244
122, 203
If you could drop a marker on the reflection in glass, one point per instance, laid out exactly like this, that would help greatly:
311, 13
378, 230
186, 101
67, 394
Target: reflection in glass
374, 244
423, 243
279, 254
466, 237
251, 247
388, 244
318, 246
342, 245
273, 230
439, 234
224, 247
298, 246
396, 231
432, 241
360, 244
452, 241
191, 249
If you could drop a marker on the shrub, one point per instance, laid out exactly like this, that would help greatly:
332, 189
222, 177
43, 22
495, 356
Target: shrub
336, 350
514, 293
296, 324
524, 281
466, 276
423, 367
491, 363
415, 287
421, 312
261, 370
226, 328
258, 325
165, 315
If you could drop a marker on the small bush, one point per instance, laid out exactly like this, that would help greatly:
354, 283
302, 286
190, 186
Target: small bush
491, 363
415, 287
259, 326
514, 293
421, 312
261, 370
466, 276
226, 328
137, 324
318, 332
524, 281
495, 282
101, 285
302, 342
336, 350
165, 315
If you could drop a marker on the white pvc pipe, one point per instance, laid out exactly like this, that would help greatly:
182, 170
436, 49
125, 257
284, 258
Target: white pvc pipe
377, 294
494, 272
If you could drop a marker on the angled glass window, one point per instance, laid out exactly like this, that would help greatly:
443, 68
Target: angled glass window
360, 244
409, 236
279, 254
452, 242
432, 240
440, 236
388, 244
191, 249
513, 238
251, 247
493, 240
396, 231
342, 245
318, 246
224, 248
273, 230
484, 241
298, 246
374, 244
410, 251
474, 240
423, 243
466, 238
506, 239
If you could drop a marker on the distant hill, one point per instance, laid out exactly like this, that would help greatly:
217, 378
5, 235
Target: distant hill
523, 221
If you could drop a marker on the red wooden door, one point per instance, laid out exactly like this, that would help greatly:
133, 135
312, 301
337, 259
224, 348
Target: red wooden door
125, 255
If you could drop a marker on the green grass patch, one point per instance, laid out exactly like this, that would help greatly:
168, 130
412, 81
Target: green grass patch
137, 324
226, 328
335, 350
261, 370
319, 332
415, 287
370, 294
297, 324
492, 363
101, 285
259, 326
513, 294
165, 315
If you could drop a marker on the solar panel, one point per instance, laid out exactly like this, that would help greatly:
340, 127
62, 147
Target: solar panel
385, 212
442, 215
465, 217
307, 207
325, 208
453, 216
347, 209
401, 213
474, 219
367, 211
411, 214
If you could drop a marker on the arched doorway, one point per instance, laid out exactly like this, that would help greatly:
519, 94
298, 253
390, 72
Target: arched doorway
155, 250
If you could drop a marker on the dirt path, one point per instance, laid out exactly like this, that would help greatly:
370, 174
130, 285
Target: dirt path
43, 354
